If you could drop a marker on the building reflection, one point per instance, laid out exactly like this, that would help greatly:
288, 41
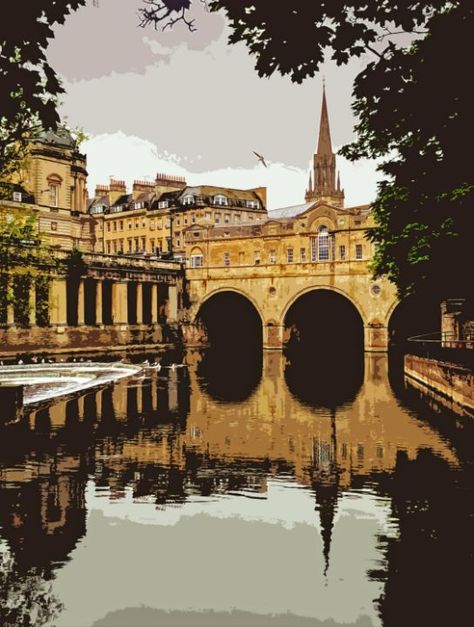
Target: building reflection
166, 438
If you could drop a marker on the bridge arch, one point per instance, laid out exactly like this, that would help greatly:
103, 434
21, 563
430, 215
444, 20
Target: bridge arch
313, 288
222, 290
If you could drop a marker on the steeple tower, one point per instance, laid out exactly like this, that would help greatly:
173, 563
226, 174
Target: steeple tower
324, 187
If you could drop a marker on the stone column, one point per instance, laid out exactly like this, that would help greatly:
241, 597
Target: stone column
173, 303
119, 303
273, 336
139, 302
376, 338
57, 302
80, 303
154, 303
98, 303
32, 304
452, 311
10, 315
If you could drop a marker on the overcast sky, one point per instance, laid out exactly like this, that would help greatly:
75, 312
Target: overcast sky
189, 104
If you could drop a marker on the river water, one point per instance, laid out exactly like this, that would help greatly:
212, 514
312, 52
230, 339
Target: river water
238, 492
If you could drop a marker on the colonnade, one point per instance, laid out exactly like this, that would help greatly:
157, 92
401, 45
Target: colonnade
97, 302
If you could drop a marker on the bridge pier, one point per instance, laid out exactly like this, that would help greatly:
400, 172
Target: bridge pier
273, 336
375, 338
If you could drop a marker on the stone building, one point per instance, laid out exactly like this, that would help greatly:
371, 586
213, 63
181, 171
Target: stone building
51, 184
153, 217
317, 245
74, 298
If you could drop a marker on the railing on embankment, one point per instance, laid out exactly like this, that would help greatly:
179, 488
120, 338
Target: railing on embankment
443, 366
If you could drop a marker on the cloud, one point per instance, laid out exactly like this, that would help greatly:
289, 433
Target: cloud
128, 158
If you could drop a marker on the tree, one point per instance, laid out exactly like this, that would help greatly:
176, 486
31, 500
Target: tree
24, 260
417, 125
28, 84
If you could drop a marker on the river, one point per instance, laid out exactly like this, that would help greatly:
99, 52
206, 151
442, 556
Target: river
238, 492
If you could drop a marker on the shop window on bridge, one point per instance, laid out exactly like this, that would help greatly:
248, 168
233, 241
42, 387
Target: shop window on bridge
197, 261
227, 259
358, 251
289, 255
272, 256
342, 253
303, 255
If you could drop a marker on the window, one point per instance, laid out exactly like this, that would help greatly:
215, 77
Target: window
226, 259
121, 245
272, 256
207, 215
17, 196
167, 223
188, 200
129, 225
257, 257
129, 245
108, 248
194, 219
143, 243
227, 218
252, 204
162, 204
115, 225
53, 190
139, 205
178, 243
152, 245
323, 244
217, 218
143, 224
114, 245
177, 222
54, 226
121, 225
152, 225
185, 220
108, 227
197, 261
358, 251
196, 234
342, 253
116, 209
289, 255
220, 199
237, 217
137, 224
137, 244
314, 248
303, 255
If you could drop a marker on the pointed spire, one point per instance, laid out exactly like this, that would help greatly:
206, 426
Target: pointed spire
310, 183
324, 141
338, 181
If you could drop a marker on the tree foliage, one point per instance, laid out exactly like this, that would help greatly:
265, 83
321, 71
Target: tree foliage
29, 86
414, 104
24, 260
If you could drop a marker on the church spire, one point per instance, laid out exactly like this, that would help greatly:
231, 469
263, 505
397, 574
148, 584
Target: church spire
324, 188
324, 141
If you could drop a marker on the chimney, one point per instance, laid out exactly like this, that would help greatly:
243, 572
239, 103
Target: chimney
142, 187
168, 183
101, 190
116, 189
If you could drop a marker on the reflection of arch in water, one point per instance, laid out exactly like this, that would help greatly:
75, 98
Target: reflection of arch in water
231, 368
325, 342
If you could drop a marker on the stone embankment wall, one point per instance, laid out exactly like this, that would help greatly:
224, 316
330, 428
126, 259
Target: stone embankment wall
452, 381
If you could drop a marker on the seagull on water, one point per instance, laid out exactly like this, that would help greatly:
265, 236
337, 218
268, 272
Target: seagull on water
260, 158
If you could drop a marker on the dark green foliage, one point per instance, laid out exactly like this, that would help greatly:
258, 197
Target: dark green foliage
414, 103
29, 87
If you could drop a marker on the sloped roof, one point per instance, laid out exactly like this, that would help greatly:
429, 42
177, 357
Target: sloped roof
289, 212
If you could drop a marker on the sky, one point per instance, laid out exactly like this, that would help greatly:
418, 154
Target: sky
189, 104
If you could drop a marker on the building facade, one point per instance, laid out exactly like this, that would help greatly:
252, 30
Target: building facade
152, 219
319, 244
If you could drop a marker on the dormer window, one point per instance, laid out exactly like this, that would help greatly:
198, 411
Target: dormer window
251, 204
163, 204
220, 199
139, 205
17, 196
188, 200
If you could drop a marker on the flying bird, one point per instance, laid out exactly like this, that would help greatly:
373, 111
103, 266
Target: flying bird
260, 158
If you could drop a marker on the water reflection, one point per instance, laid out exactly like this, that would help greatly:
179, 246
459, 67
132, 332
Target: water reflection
305, 500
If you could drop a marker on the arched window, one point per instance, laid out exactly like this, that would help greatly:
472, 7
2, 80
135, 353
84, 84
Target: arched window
220, 199
323, 244
196, 258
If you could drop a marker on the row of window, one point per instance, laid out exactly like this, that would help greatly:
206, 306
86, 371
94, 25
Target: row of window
220, 200
197, 260
118, 225
134, 245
